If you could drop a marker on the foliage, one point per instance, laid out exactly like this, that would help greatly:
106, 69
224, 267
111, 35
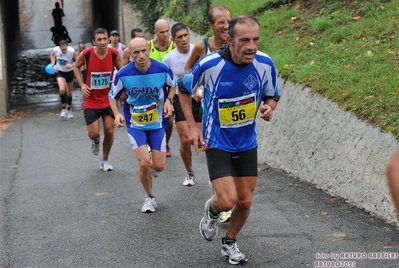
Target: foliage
152, 10
190, 12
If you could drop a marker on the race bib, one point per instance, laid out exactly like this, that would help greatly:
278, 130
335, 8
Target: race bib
145, 115
100, 80
237, 112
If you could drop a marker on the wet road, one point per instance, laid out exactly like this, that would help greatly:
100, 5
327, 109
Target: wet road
31, 84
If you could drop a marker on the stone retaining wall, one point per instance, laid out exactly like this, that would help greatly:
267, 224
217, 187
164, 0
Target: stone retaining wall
311, 138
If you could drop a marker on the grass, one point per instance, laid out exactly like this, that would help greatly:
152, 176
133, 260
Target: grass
344, 50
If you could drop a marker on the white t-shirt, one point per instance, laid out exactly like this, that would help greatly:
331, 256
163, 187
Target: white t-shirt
176, 61
120, 49
63, 59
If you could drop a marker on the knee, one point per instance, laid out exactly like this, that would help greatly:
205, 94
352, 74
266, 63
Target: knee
185, 143
94, 136
158, 167
145, 164
226, 204
109, 132
244, 204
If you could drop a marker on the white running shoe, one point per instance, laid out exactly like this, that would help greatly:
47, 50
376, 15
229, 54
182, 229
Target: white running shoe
69, 114
189, 180
105, 166
63, 113
149, 205
208, 226
231, 251
95, 147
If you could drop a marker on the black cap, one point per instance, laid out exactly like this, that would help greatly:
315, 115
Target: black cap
114, 32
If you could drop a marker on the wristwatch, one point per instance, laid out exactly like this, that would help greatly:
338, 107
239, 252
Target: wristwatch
171, 100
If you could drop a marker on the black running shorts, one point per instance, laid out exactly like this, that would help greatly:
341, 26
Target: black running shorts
223, 164
179, 115
92, 115
67, 75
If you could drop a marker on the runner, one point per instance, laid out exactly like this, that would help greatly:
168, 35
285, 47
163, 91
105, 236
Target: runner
176, 60
218, 21
143, 82
62, 57
238, 81
159, 47
100, 62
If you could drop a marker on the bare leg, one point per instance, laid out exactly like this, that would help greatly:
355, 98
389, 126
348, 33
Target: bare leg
108, 123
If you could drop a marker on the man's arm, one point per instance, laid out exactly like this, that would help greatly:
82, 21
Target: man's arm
118, 62
81, 61
168, 106
52, 58
392, 171
119, 118
195, 135
126, 56
198, 52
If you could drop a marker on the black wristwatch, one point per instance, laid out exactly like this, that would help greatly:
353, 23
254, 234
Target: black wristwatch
171, 100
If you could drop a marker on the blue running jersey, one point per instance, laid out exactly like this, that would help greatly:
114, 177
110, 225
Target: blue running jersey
232, 96
145, 94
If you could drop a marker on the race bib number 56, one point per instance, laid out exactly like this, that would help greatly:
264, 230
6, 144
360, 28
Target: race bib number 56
237, 112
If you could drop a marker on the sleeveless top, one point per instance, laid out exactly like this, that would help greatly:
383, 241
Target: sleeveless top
156, 54
207, 48
99, 73
120, 50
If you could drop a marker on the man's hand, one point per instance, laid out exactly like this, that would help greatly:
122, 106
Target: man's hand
195, 137
168, 108
119, 120
86, 90
199, 94
266, 112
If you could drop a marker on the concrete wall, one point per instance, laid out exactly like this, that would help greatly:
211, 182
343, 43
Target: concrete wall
311, 138
9, 48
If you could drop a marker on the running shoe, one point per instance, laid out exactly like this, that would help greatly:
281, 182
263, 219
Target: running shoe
231, 251
69, 114
63, 113
149, 205
225, 216
168, 152
95, 147
105, 166
189, 179
208, 226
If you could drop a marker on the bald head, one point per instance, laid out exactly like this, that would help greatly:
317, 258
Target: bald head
139, 52
137, 42
162, 31
160, 24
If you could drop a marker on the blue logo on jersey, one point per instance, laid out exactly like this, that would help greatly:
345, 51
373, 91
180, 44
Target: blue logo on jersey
144, 90
250, 82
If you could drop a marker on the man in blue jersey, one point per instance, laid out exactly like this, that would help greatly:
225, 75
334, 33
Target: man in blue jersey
238, 81
143, 82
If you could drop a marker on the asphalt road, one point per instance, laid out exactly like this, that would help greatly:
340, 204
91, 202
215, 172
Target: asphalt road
58, 209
